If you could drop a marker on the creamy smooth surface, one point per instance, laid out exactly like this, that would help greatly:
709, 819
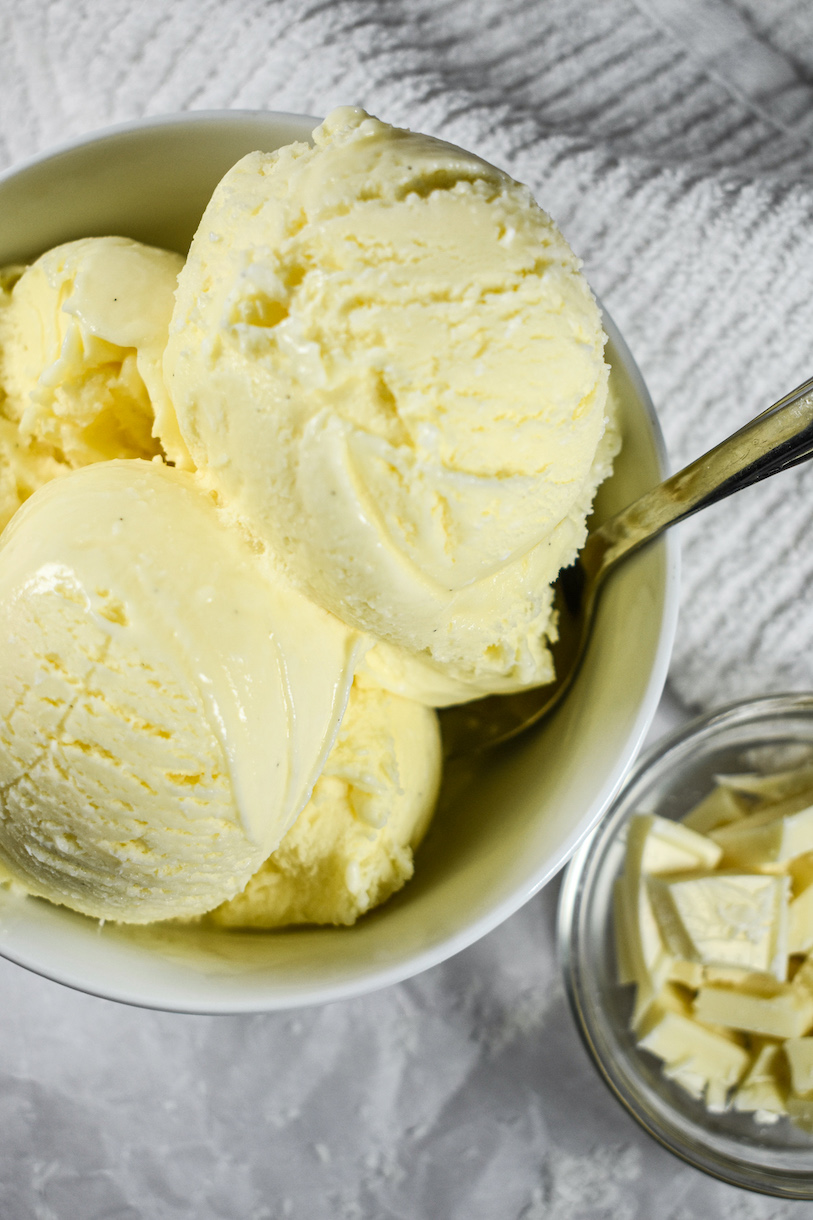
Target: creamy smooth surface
82, 335
352, 846
166, 701
385, 357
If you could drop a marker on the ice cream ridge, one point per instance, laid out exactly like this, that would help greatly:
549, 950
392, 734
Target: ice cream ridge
384, 356
82, 335
259, 525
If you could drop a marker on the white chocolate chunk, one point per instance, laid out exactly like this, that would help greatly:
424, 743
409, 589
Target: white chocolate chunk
800, 922
688, 974
669, 999
697, 1058
625, 967
733, 976
725, 919
800, 1111
764, 1088
642, 956
801, 873
775, 1010
650, 959
771, 836
773, 787
685, 1072
800, 911
656, 845
718, 1094
799, 1052
719, 808
803, 977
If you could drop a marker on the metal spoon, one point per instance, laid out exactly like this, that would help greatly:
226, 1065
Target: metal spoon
777, 439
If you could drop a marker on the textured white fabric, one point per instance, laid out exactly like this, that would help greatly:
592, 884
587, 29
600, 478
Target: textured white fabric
670, 138
673, 140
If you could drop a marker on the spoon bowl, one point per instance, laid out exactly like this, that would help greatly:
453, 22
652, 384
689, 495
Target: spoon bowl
777, 439
471, 727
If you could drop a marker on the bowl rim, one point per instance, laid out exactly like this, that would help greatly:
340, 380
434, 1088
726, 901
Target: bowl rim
573, 893
314, 993
169, 118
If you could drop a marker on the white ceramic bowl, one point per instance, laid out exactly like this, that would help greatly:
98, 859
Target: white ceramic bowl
506, 825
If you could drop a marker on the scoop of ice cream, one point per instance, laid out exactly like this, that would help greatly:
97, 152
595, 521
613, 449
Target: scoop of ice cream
166, 703
384, 355
352, 845
82, 335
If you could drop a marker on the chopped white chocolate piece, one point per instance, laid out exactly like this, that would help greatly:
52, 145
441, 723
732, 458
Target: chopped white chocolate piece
656, 845
695, 1057
800, 911
649, 958
803, 977
719, 808
764, 1088
669, 999
800, 1060
775, 1010
653, 844
725, 919
801, 873
733, 976
718, 1095
800, 922
625, 968
688, 974
800, 1110
770, 788
770, 836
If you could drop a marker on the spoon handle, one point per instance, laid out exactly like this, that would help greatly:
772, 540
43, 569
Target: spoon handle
777, 439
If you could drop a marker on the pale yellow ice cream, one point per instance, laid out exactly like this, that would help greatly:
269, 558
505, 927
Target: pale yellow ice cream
82, 335
385, 358
387, 371
352, 846
166, 701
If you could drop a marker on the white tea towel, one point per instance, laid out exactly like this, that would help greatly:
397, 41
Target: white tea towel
673, 140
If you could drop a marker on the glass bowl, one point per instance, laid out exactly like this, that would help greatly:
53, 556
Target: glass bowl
765, 734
